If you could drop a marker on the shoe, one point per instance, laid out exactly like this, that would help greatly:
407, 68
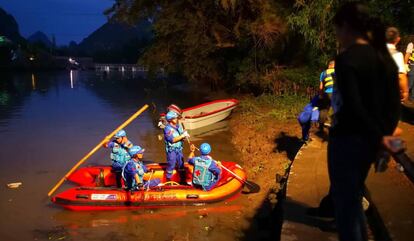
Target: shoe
328, 226
320, 214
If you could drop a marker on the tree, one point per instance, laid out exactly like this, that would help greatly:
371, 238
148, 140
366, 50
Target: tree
201, 39
313, 20
243, 42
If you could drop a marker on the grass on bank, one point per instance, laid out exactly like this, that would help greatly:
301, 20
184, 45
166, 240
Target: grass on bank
256, 109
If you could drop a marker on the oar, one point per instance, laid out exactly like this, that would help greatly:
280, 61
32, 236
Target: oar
97, 147
253, 187
188, 138
149, 180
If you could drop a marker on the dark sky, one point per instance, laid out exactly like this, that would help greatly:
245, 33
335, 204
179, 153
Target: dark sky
66, 19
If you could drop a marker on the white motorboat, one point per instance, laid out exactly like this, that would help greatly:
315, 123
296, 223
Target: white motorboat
206, 114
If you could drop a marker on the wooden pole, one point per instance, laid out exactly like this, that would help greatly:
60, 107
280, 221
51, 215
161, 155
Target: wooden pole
97, 147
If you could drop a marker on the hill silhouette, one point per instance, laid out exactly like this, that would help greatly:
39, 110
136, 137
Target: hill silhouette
116, 42
40, 38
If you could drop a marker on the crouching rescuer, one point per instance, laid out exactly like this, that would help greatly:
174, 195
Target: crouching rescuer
206, 171
134, 170
119, 154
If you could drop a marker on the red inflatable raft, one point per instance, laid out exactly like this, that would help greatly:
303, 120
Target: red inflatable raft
97, 190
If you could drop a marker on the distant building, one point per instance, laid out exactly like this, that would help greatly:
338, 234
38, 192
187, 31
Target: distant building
63, 62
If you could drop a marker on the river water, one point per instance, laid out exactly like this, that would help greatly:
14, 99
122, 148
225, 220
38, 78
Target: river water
50, 120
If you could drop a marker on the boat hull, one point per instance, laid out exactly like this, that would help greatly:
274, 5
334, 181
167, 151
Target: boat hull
94, 197
191, 124
207, 113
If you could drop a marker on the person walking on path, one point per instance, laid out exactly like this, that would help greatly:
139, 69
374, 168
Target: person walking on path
119, 154
366, 106
327, 79
409, 61
325, 93
309, 115
393, 38
174, 135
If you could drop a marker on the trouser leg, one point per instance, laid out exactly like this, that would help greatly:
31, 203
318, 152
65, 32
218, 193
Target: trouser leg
118, 176
323, 117
171, 163
410, 76
324, 106
117, 170
180, 167
326, 206
305, 130
349, 159
153, 183
175, 160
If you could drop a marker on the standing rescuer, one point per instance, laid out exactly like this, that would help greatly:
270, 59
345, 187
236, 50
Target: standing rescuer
119, 154
206, 172
326, 80
174, 135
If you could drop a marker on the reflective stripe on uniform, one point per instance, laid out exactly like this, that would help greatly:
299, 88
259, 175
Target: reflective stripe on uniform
411, 58
328, 80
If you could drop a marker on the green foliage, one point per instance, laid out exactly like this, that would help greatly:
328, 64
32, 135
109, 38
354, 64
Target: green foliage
279, 80
276, 107
395, 13
202, 39
244, 44
282, 107
313, 20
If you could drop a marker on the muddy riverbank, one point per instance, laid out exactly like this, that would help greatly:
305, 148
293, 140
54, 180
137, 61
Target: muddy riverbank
266, 145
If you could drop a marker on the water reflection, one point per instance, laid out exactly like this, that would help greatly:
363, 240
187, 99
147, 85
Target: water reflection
33, 82
71, 79
203, 132
101, 219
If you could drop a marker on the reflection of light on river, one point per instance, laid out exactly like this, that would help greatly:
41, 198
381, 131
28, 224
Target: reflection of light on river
102, 220
71, 79
33, 82
201, 133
